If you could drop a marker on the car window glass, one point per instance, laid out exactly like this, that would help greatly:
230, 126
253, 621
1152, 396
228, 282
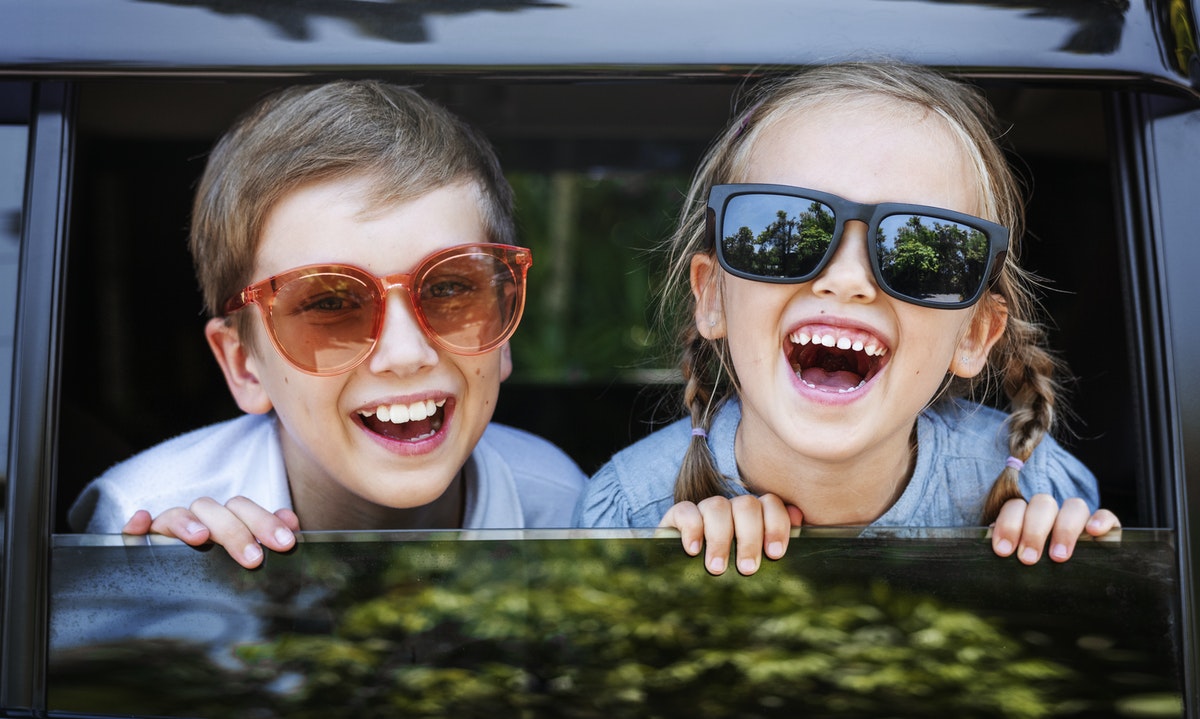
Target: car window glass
552, 623
13, 143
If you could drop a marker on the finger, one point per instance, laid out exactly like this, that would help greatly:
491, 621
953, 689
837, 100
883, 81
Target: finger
718, 532
1067, 527
227, 530
777, 525
748, 527
1039, 520
267, 528
139, 523
1102, 522
182, 524
1006, 531
795, 516
687, 519
289, 518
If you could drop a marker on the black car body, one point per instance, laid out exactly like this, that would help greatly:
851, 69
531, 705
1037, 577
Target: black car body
106, 110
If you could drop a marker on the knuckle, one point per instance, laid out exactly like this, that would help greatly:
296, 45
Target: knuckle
1042, 499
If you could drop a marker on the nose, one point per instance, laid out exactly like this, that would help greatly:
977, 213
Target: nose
848, 276
403, 347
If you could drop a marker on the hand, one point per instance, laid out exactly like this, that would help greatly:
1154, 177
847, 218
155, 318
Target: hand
1024, 527
239, 525
758, 522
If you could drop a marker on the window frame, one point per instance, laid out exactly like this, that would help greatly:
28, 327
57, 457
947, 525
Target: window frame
30, 491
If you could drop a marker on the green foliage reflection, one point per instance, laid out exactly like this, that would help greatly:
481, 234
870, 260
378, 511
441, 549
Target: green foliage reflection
944, 260
595, 633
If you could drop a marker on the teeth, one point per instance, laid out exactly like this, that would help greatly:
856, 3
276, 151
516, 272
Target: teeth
847, 390
401, 413
872, 348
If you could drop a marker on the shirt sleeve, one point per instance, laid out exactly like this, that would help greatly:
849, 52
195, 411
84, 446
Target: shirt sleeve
603, 502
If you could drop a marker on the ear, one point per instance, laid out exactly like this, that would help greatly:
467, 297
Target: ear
506, 365
706, 288
986, 329
239, 367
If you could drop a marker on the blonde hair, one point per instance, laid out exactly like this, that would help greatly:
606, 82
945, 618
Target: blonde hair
405, 144
1019, 361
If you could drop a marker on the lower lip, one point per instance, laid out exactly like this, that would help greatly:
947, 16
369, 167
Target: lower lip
413, 448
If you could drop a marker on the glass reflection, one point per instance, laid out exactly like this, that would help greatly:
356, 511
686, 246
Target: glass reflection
891, 623
399, 21
929, 258
777, 236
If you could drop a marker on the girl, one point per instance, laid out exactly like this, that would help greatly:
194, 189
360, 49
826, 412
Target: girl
848, 256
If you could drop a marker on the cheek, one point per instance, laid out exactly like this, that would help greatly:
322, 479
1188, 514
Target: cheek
938, 338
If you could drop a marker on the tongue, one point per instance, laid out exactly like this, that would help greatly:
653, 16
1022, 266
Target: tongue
403, 432
839, 379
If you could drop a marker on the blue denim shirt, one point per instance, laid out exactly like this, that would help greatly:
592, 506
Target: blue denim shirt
961, 448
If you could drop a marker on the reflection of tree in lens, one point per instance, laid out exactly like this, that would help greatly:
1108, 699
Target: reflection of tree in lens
788, 246
944, 261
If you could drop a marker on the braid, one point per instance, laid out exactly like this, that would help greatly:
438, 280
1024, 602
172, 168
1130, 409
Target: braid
1028, 375
698, 476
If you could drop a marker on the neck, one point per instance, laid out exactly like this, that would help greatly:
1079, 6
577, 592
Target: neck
329, 506
854, 491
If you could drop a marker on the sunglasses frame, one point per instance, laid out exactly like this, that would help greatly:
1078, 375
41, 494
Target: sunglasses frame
264, 292
846, 210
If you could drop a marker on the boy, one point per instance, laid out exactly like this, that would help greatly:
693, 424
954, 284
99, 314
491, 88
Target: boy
372, 230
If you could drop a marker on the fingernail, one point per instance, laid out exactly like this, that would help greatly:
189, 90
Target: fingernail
1004, 547
1094, 525
747, 566
1029, 555
775, 550
1059, 551
694, 548
716, 565
252, 553
194, 528
283, 536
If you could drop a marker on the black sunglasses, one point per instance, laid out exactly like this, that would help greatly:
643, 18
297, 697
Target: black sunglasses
924, 255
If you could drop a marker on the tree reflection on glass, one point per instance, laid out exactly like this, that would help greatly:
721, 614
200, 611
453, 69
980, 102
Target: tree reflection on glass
633, 628
790, 245
930, 258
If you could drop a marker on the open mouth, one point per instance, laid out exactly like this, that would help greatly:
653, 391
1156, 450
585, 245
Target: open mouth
410, 422
835, 360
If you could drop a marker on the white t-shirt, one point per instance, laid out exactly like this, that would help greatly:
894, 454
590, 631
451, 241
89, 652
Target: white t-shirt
514, 480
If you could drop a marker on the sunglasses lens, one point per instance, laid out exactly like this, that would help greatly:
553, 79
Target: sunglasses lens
472, 302
325, 321
775, 236
931, 259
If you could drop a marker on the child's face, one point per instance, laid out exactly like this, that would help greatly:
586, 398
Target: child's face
809, 408
332, 439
